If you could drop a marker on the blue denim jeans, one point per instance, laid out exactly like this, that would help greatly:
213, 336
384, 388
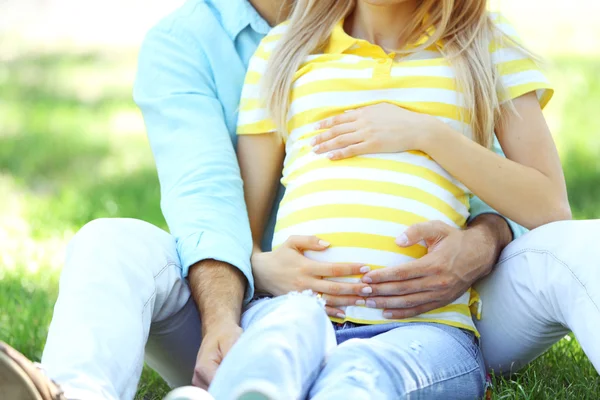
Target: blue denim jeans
291, 350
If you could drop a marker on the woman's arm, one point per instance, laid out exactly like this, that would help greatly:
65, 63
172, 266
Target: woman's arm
528, 186
260, 158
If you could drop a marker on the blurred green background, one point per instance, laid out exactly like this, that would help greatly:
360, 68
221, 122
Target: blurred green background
73, 148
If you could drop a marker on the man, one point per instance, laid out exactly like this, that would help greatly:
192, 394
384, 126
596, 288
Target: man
130, 291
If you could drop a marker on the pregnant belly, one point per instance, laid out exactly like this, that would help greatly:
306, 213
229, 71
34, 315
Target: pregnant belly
360, 205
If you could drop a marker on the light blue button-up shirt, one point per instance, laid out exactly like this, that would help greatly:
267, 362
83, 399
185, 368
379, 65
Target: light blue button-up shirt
191, 70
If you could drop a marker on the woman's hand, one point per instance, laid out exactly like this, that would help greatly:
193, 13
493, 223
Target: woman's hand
286, 269
380, 128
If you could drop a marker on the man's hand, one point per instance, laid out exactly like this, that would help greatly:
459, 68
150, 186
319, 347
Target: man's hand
216, 343
455, 260
218, 289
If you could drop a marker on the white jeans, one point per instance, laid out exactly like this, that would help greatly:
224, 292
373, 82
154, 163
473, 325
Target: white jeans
122, 299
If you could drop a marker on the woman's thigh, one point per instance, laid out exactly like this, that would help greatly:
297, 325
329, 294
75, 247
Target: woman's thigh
420, 360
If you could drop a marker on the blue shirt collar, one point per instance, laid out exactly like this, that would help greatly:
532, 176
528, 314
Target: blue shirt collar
236, 15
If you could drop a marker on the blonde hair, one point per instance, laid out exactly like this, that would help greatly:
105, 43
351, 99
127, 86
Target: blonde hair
464, 27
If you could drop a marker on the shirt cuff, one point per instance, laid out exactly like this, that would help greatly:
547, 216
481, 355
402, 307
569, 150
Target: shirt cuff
214, 246
476, 210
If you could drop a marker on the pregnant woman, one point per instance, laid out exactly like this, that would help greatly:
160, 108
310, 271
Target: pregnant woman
377, 115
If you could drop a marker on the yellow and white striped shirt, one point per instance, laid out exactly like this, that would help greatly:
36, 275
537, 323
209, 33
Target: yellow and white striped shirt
360, 205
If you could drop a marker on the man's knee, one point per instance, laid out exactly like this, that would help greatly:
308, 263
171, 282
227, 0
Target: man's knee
102, 242
563, 239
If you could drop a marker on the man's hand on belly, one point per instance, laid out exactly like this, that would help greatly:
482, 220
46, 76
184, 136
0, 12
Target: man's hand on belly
455, 260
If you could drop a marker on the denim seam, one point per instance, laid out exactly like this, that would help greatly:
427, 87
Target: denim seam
163, 269
558, 260
443, 380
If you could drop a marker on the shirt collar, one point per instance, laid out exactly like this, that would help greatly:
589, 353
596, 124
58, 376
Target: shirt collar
236, 15
340, 41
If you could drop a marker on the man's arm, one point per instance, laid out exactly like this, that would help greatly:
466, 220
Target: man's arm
201, 188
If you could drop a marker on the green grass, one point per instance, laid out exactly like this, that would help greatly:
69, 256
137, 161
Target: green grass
72, 148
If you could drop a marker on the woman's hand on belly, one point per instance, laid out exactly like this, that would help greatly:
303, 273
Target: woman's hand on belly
380, 128
286, 269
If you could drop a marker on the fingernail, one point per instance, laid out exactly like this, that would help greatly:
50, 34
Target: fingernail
365, 269
402, 240
367, 290
387, 314
317, 126
313, 141
330, 155
366, 279
323, 243
371, 304
360, 302
316, 148
340, 315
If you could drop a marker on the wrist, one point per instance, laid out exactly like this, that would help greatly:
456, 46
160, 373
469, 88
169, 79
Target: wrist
431, 128
492, 234
257, 269
218, 289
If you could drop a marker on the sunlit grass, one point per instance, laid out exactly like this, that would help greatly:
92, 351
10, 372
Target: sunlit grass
72, 148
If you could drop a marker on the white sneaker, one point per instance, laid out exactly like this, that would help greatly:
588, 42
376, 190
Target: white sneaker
257, 390
188, 393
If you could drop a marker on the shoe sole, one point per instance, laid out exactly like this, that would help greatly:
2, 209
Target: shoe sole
14, 382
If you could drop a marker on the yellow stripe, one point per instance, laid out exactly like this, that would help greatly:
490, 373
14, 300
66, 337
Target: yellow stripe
516, 66
349, 211
393, 189
520, 90
370, 241
407, 320
367, 84
386, 165
264, 126
251, 104
456, 308
431, 108
252, 78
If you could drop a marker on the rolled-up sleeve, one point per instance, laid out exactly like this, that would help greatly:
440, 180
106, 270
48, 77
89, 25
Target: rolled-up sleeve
202, 195
478, 207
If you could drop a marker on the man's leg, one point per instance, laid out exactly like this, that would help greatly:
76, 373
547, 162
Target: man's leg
281, 351
120, 288
417, 360
546, 284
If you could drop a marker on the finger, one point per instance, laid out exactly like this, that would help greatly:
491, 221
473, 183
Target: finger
343, 301
338, 142
424, 231
204, 374
334, 312
339, 288
317, 268
302, 243
333, 133
408, 301
348, 116
411, 270
398, 313
350, 151
418, 285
